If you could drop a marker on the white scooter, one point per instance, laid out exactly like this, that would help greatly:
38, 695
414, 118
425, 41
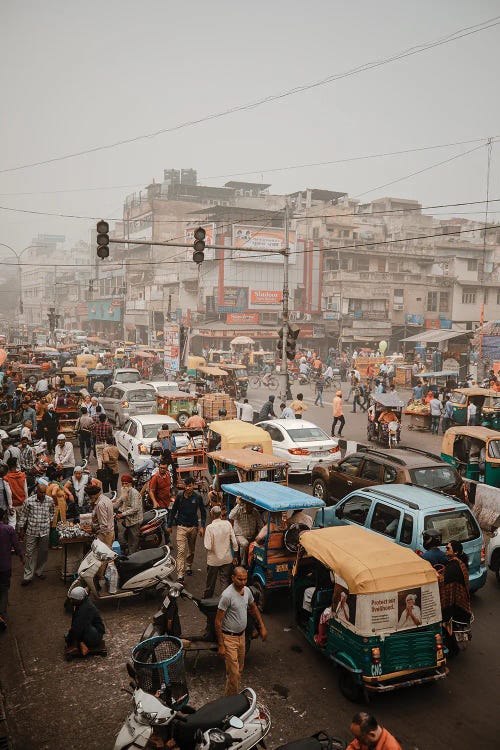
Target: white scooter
236, 722
147, 569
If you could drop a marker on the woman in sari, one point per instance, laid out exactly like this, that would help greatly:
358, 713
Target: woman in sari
455, 596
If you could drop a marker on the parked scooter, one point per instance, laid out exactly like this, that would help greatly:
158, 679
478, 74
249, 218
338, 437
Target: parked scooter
235, 722
142, 571
153, 526
166, 620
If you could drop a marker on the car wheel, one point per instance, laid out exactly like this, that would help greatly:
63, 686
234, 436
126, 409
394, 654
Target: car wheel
350, 686
320, 491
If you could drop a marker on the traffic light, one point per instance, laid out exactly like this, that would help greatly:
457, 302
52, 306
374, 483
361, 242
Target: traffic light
199, 245
102, 239
53, 318
291, 342
279, 345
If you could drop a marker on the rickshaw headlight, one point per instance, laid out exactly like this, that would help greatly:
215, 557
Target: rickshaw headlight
375, 655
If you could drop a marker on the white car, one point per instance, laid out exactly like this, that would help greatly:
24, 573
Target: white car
163, 386
126, 375
303, 444
138, 433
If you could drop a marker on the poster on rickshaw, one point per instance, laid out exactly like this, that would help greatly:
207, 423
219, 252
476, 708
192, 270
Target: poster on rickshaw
393, 611
172, 347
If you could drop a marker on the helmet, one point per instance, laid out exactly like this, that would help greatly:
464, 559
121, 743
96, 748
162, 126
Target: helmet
194, 410
222, 412
431, 538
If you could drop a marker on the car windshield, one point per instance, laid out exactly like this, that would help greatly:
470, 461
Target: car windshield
150, 430
128, 377
455, 524
142, 395
307, 434
434, 477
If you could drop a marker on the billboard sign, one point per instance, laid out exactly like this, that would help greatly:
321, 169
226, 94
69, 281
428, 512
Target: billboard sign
266, 296
262, 240
104, 309
242, 317
172, 347
234, 299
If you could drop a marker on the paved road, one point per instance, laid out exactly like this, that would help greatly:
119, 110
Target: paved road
53, 705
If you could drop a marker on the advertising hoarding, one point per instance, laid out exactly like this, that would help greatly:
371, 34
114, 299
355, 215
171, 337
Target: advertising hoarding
172, 347
266, 296
262, 240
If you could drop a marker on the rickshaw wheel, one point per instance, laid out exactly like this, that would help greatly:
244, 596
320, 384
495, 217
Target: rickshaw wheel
261, 599
350, 687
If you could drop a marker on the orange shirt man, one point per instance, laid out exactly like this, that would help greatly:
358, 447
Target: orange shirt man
369, 735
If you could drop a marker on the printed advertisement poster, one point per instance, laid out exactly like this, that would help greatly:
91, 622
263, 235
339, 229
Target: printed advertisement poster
171, 345
263, 240
398, 610
234, 299
242, 317
266, 297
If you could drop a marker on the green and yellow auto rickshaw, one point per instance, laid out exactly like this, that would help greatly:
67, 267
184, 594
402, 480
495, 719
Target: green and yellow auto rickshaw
371, 607
480, 397
475, 452
176, 404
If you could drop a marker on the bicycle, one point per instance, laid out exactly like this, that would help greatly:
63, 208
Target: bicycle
264, 381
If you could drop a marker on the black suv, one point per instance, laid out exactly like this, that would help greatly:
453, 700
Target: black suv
333, 481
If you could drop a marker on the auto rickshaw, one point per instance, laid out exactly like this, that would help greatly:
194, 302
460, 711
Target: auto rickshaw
99, 380
462, 397
234, 433
210, 379
388, 432
90, 361
194, 364
176, 404
271, 559
371, 607
237, 380
75, 378
244, 465
475, 452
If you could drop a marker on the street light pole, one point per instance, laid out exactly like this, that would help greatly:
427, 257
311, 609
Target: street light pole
285, 314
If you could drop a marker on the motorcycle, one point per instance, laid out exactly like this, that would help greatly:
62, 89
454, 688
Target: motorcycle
143, 473
166, 620
146, 570
152, 528
235, 722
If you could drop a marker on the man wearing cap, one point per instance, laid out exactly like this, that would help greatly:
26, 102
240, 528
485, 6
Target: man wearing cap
77, 485
87, 627
35, 518
221, 545
64, 456
50, 427
129, 506
103, 523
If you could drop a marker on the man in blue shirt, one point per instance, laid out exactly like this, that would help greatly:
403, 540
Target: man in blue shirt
417, 391
447, 420
431, 541
184, 515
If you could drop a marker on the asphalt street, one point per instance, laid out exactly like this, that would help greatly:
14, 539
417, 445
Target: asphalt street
51, 704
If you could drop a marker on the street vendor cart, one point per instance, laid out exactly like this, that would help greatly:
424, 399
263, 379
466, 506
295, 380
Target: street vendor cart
420, 415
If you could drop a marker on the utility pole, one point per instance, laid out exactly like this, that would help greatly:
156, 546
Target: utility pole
284, 387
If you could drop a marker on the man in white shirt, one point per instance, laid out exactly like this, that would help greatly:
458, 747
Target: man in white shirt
286, 411
64, 456
246, 412
220, 542
471, 414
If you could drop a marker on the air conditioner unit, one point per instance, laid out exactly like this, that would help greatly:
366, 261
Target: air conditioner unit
398, 307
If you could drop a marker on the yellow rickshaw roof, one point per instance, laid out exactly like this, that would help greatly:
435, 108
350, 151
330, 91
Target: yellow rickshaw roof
475, 391
212, 371
368, 563
244, 458
78, 371
481, 433
238, 434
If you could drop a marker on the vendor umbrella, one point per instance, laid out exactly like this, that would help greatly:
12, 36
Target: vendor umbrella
242, 340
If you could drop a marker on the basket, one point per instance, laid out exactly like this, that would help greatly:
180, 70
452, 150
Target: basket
159, 669
462, 632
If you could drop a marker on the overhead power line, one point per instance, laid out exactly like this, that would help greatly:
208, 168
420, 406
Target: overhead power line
411, 51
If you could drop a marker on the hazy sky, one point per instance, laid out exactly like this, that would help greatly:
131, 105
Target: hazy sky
79, 74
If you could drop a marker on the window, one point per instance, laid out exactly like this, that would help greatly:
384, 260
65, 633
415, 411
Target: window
458, 524
472, 264
390, 474
370, 470
399, 295
385, 520
275, 433
127, 424
315, 233
356, 509
434, 477
361, 263
381, 265
142, 395
432, 301
132, 430
469, 296
444, 302
350, 465
407, 530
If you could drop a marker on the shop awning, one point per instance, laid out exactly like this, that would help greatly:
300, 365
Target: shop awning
434, 337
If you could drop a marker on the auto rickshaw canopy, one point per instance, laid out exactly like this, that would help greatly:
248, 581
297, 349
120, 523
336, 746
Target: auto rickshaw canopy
368, 563
478, 433
243, 458
387, 400
273, 497
474, 392
237, 434
214, 371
